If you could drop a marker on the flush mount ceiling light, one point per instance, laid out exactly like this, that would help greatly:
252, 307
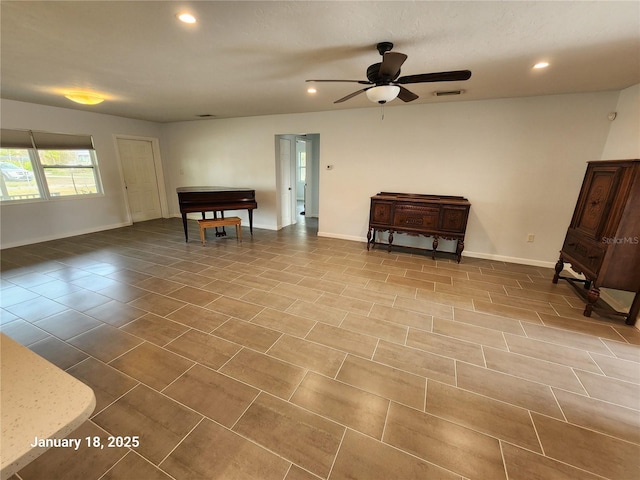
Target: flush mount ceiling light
383, 93
311, 90
85, 98
540, 65
186, 18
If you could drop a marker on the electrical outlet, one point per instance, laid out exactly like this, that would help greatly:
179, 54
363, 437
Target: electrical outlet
531, 237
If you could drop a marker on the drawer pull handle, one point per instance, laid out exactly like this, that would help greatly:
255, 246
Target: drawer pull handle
572, 245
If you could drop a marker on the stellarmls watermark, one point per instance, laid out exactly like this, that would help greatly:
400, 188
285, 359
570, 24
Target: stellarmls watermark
620, 240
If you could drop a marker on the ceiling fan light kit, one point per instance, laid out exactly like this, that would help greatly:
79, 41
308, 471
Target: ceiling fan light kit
383, 93
385, 81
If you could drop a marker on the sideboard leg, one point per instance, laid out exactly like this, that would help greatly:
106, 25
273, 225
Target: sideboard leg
592, 296
435, 247
368, 239
559, 268
459, 249
390, 239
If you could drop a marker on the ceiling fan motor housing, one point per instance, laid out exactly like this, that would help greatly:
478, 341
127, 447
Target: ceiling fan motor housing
384, 47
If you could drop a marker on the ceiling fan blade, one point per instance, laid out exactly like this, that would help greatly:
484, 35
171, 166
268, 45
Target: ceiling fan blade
406, 95
351, 95
391, 63
453, 76
362, 82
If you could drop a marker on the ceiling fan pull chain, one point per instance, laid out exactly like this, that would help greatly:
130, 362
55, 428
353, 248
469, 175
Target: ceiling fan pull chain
382, 109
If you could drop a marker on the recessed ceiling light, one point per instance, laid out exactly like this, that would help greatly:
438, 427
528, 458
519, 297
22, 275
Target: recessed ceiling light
186, 18
85, 98
540, 65
311, 90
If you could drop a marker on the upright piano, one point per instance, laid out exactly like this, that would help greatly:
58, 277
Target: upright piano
215, 199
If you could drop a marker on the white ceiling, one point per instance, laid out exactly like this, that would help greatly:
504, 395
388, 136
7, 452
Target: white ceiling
246, 58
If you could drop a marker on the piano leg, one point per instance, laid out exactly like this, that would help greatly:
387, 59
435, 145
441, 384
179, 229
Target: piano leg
184, 223
250, 220
223, 233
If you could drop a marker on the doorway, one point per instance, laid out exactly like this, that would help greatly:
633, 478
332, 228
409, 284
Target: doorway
297, 178
143, 180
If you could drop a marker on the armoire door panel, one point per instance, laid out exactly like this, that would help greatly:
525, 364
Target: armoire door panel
598, 193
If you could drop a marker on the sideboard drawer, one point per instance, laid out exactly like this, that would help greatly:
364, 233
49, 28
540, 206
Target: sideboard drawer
381, 212
454, 219
416, 216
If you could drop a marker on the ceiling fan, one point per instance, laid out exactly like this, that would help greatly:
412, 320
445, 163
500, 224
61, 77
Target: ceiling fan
386, 83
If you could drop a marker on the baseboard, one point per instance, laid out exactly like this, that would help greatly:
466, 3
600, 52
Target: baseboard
504, 258
48, 238
342, 237
466, 253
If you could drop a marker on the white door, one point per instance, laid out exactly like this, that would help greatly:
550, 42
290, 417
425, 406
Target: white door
285, 182
140, 179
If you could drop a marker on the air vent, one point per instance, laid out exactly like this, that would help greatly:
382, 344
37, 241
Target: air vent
448, 93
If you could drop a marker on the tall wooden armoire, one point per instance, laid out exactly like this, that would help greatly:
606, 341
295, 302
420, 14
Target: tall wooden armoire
603, 239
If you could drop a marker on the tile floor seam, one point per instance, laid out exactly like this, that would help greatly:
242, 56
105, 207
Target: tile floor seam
504, 460
264, 447
555, 397
177, 444
601, 372
231, 427
98, 412
162, 390
461, 423
335, 457
535, 429
590, 430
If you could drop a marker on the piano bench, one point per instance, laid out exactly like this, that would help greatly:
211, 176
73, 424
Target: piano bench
220, 222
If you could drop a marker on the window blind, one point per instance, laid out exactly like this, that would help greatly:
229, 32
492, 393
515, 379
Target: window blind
61, 141
15, 139
44, 140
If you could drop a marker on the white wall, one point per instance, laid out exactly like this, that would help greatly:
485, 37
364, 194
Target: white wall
236, 152
519, 161
32, 222
623, 141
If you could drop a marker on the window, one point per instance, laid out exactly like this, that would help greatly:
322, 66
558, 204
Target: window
18, 181
69, 172
302, 166
41, 165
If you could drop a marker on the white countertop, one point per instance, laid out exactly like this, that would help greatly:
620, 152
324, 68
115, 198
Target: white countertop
37, 399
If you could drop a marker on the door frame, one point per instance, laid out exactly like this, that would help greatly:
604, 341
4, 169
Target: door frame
279, 181
157, 162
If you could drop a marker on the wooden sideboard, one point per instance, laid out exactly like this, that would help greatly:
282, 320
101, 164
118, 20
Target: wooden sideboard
437, 216
603, 239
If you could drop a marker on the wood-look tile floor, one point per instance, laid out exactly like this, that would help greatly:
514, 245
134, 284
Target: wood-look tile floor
296, 357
